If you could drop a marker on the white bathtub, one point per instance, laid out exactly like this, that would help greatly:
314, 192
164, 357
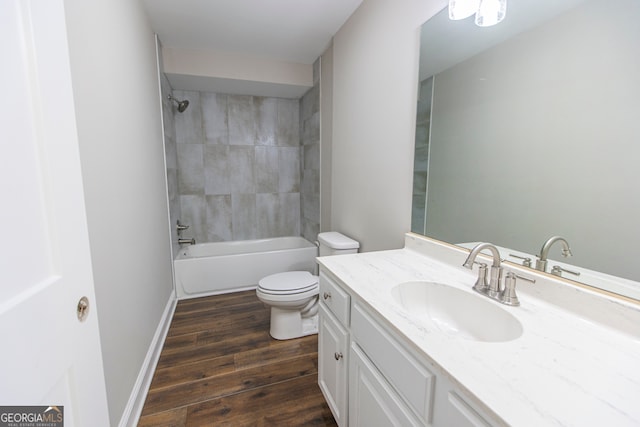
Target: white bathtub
215, 268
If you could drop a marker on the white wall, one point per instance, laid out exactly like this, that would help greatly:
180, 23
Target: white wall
115, 85
224, 72
375, 57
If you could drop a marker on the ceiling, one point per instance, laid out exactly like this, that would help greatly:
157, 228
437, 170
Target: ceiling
286, 30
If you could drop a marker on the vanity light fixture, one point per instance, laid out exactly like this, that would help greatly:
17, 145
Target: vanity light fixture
461, 9
491, 12
488, 12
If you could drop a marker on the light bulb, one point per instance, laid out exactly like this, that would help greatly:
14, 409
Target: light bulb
461, 9
490, 12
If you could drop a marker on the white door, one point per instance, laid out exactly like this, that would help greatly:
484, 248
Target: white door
47, 355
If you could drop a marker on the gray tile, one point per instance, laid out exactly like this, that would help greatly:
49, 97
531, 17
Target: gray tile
214, 118
311, 207
218, 218
419, 182
290, 214
241, 169
288, 130
172, 184
171, 152
266, 169
418, 213
310, 102
167, 115
310, 182
316, 71
266, 110
167, 107
421, 158
189, 123
190, 169
311, 155
243, 212
311, 129
193, 214
242, 120
289, 169
268, 215
216, 170
310, 230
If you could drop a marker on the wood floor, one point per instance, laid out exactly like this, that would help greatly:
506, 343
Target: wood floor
220, 367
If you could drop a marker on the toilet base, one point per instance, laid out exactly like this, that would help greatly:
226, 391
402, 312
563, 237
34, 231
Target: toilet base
289, 324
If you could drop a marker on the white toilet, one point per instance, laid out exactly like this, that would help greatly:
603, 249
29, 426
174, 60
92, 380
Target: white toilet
293, 295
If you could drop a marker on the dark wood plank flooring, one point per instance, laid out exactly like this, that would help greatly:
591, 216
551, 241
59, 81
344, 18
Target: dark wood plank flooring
220, 367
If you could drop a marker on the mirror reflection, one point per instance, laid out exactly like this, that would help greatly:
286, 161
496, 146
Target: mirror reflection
531, 129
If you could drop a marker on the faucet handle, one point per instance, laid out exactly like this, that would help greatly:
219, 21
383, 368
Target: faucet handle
481, 284
508, 295
557, 271
525, 260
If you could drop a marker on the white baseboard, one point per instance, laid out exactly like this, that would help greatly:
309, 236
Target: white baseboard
134, 407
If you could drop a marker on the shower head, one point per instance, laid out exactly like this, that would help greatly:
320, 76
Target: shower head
182, 105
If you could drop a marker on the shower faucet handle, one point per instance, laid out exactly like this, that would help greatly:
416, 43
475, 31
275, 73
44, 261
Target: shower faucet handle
181, 227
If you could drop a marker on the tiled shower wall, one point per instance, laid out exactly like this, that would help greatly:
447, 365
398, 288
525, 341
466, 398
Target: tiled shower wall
310, 142
243, 167
421, 157
171, 158
238, 166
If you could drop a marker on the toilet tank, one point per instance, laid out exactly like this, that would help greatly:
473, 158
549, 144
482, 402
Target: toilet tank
334, 243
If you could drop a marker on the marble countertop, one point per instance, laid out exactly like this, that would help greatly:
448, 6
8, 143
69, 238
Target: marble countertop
572, 366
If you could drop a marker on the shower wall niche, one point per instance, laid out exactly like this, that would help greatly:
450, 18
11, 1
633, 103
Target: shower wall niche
243, 167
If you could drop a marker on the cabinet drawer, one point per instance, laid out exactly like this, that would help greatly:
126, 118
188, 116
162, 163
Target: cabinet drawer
334, 298
410, 378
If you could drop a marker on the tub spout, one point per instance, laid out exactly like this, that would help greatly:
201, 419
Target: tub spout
187, 241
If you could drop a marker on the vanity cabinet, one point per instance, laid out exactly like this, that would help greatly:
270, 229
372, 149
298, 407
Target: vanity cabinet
372, 402
372, 377
333, 347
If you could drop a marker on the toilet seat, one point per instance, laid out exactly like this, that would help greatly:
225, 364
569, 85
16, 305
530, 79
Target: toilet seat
288, 283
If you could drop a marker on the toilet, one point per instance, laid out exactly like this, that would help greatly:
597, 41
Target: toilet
293, 295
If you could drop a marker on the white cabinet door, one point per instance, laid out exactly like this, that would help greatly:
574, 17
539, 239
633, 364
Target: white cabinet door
453, 409
372, 402
333, 341
49, 357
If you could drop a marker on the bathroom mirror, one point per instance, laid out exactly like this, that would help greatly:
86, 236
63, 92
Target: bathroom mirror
531, 129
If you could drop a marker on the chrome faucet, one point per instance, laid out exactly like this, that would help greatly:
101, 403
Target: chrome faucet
187, 241
505, 295
493, 287
541, 263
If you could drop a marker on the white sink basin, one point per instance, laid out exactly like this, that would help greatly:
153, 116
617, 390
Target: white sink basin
456, 312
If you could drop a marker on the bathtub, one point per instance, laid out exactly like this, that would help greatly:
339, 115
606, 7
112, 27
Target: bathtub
221, 267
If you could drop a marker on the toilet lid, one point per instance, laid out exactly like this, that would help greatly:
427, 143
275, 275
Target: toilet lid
289, 282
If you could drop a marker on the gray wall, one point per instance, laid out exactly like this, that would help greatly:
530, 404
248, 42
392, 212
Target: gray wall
539, 136
239, 165
115, 89
375, 86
